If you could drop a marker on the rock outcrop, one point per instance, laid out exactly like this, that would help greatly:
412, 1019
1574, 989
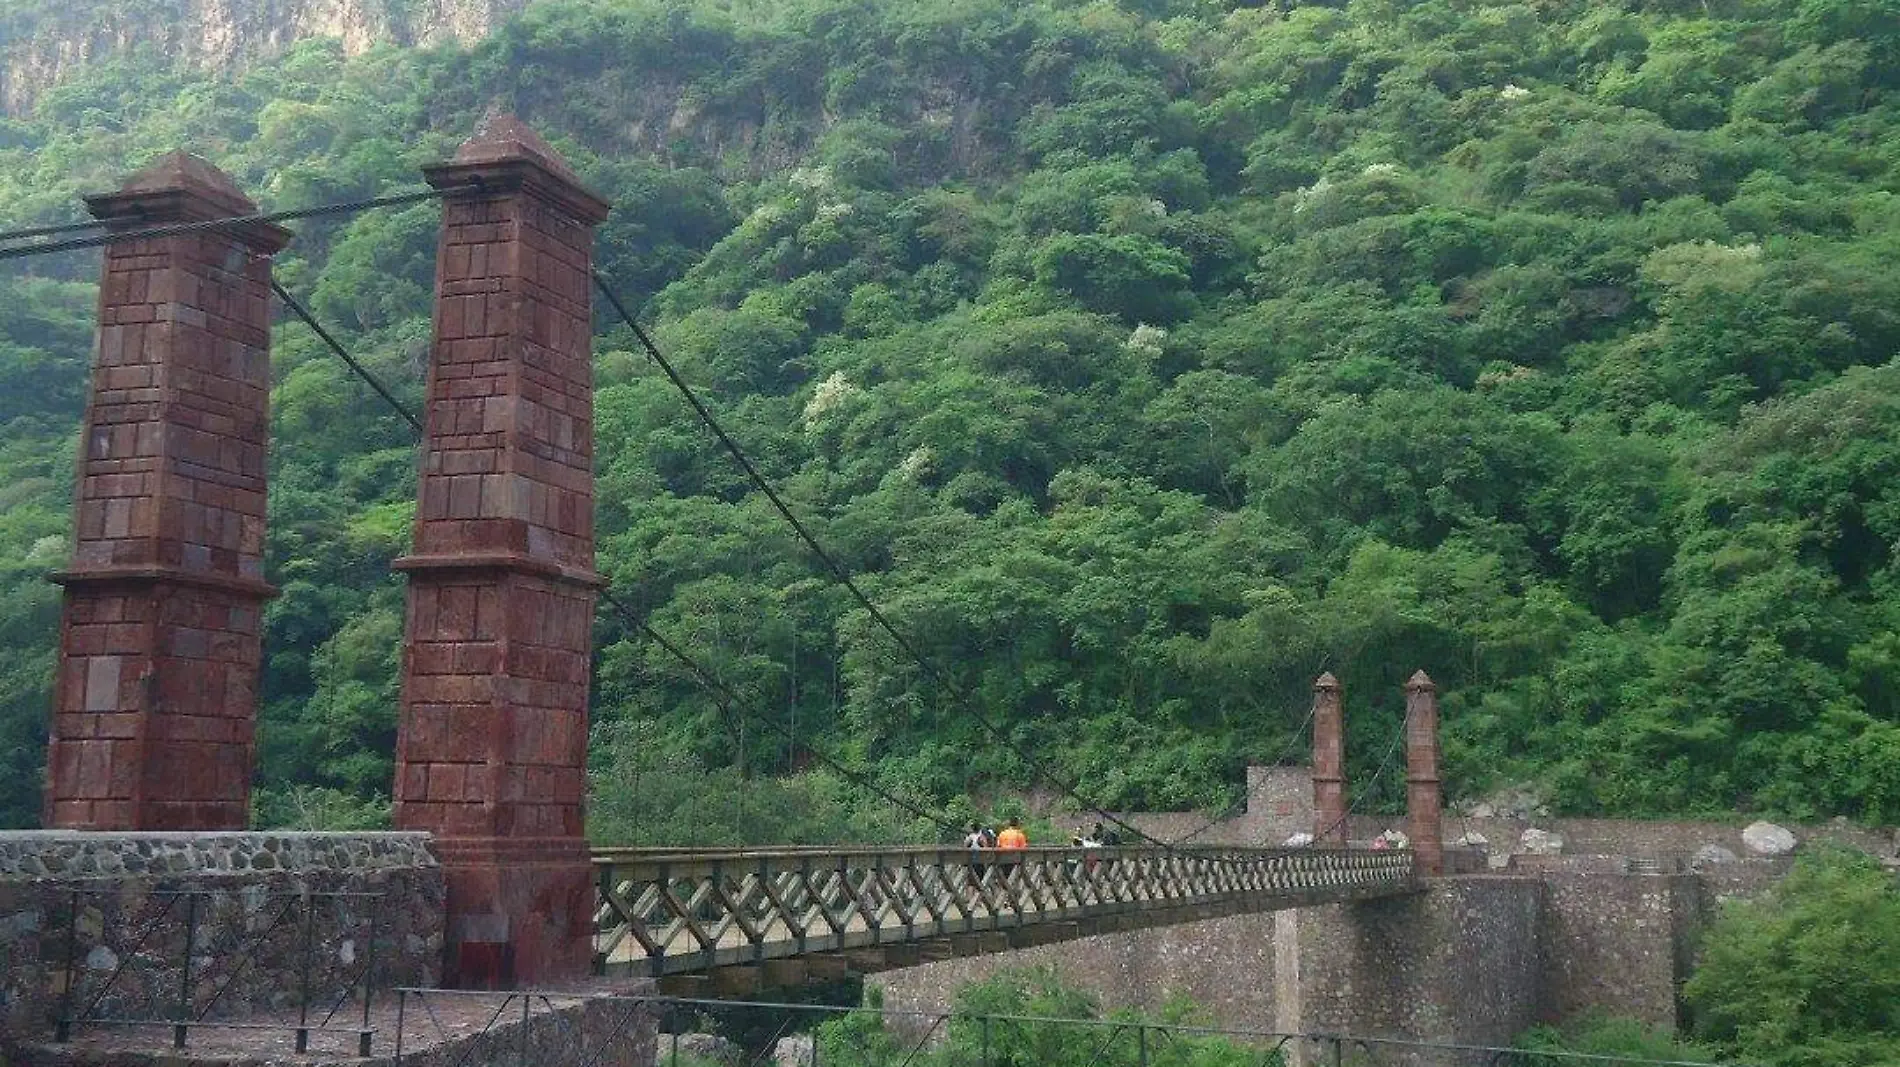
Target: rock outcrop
1767, 839
43, 43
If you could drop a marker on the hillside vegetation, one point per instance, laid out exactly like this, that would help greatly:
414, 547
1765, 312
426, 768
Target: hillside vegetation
1146, 359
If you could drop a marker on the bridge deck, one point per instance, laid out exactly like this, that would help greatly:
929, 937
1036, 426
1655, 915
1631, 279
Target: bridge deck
777, 916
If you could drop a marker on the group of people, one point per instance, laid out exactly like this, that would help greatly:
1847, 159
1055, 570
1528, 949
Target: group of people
1013, 837
982, 840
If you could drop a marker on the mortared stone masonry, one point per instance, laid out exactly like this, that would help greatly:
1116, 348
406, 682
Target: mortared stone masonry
155, 700
1423, 809
492, 746
1329, 763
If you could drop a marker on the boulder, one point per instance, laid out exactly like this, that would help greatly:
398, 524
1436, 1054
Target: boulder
1541, 843
794, 1051
710, 1048
1300, 840
1484, 810
1767, 839
1471, 839
1711, 856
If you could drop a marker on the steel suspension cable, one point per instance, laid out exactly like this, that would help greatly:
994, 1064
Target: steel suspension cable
51, 230
842, 576
1385, 764
323, 335
727, 699
180, 229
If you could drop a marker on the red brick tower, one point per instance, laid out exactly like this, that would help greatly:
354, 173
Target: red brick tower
1424, 822
492, 748
156, 700
1329, 763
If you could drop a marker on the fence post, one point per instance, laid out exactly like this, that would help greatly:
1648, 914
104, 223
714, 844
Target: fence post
63, 1027
986, 1041
527, 1004
369, 977
1141, 1044
402, 1011
303, 978
181, 1027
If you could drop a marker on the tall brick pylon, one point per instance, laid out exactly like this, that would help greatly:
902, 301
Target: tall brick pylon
492, 747
1424, 818
155, 704
1329, 763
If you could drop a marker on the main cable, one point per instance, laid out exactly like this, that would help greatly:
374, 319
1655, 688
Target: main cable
52, 230
727, 698
180, 229
838, 572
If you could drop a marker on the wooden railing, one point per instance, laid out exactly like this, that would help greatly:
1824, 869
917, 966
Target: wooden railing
678, 912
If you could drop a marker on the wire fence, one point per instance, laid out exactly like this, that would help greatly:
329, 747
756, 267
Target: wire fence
299, 962
457, 1028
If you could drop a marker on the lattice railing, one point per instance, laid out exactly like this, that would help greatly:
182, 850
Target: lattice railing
674, 912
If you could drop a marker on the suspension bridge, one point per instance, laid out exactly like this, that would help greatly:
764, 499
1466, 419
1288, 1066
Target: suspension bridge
738, 921
163, 596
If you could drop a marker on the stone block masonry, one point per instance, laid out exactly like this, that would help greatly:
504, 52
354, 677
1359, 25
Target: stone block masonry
1457, 963
1423, 810
1224, 965
110, 904
1329, 763
492, 745
156, 694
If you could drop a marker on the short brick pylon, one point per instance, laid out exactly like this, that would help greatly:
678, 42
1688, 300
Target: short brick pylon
1329, 763
1424, 816
155, 703
492, 746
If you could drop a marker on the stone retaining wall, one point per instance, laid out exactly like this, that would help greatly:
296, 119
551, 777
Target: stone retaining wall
1458, 963
111, 912
1224, 965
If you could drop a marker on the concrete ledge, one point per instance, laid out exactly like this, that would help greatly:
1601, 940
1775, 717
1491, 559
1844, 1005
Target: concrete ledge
77, 854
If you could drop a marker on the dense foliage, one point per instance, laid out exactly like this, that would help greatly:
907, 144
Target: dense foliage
1808, 975
1146, 358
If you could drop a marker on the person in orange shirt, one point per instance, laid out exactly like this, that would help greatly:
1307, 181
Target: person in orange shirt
1012, 836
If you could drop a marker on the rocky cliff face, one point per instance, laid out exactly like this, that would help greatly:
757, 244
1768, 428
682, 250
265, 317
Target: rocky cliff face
42, 41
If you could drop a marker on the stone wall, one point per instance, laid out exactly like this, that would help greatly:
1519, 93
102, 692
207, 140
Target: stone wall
1674, 838
1474, 959
1225, 965
1617, 939
1280, 803
1457, 963
118, 907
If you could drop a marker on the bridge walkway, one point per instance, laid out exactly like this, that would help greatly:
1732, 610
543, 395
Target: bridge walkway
735, 921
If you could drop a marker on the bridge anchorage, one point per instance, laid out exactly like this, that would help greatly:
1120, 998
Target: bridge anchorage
735, 922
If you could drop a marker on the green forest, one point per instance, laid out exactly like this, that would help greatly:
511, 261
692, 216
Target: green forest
1142, 358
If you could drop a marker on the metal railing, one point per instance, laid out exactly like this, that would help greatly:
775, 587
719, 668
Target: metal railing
664, 913
205, 958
